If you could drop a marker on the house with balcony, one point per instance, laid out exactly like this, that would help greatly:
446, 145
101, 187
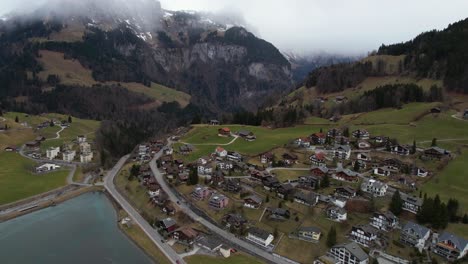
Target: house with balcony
342, 152
218, 201
374, 187
365, 235
52, 152
337, 214
309, 233
415, 235
348, 253
260, 237
200, 192
386, 221
411, 203
450, 246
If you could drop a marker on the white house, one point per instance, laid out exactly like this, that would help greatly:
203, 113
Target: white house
86, 157
69, 155
81, 139
384, 221
221, 152
85, 147
168, 151
337, 214
364, 156
349, 253
52, 152
415, 235
260, 236
420, 172
47, 167
205, 169
142, 150
374, 187
341, 151
364, 235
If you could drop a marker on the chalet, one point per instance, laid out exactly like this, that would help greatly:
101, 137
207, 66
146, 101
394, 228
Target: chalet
435, 110
235, 221
415, 235
290, 158
348, 253
10, 149
341, 151
225, 165
270, 183
309, 233
365, 235
359, 165
318, 138
224, 132
334, 132
400, 150
374, 187
302, 142
201, 192
253, 201
260, 236
411, 203
384, 221
362, 144
69, 155
284, 190
420, 172
345, 191
266, 158
319, 171
436, 153
337, 214
234, 156
185, 235
209, 243
308, 199
364, 156
361, 134
81, 138
40, 139
33, 144
278, 214
186, 149
214, 122
308, 182
380, 140
168, 225
394, 164
341, 140
52, 152
383, 171
247, 135
341, 99
218, 201
451, 247
318, 159
220, 152
346, 175
47, 167
232, 186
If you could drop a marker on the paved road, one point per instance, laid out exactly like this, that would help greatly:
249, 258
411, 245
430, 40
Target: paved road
135, 216
210, 226
286, 168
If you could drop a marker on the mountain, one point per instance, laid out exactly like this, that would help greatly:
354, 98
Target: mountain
222, 66
303, 64
441, 55
141, 68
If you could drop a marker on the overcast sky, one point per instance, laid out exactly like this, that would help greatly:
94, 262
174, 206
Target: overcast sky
337, 26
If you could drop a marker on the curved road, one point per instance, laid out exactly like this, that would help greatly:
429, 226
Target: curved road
137, 218
188, 211
214, 144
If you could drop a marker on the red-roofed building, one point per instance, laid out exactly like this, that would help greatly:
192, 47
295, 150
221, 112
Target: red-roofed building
221, 152
318, 159
318, 138
224, 132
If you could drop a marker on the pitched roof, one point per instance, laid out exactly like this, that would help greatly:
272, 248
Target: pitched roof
420, 230
459, 242
254, 198
260, 233
343, 147
309, 229
219, 149
354, 249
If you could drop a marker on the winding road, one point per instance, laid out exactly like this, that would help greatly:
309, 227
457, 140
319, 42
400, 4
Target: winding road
214, 144
135, 216
57, 133
210, 226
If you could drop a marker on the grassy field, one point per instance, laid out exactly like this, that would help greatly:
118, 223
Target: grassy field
238, 258
17, 180
451, 182
71, 72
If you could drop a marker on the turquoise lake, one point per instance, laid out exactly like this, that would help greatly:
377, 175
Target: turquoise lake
81, 230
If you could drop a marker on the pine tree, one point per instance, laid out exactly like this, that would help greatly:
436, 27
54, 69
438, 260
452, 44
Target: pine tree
331, 237
325, 181
413, 149
396, 205
267, 199
375, 261
356, 166
70, 119
193, 176
434, 142
16, 119
452, 209
465, 219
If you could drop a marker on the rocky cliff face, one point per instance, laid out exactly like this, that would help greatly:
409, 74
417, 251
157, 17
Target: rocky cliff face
223, 67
